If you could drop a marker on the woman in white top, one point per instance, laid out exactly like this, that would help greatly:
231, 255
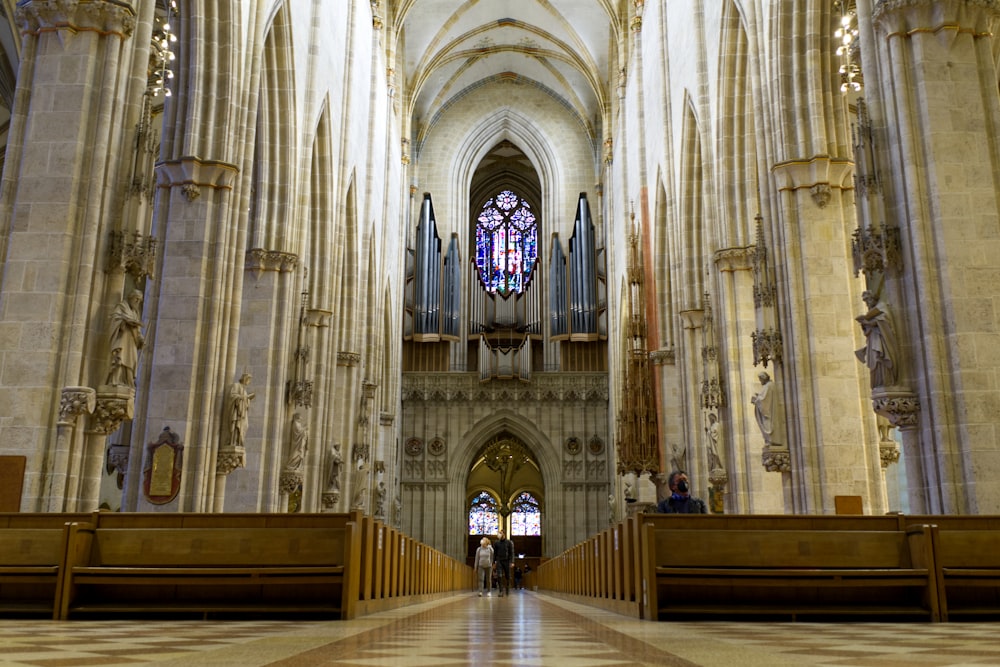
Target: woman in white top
484, 565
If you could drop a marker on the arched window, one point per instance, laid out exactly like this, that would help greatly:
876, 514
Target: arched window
526, 519
506, 244
483, 516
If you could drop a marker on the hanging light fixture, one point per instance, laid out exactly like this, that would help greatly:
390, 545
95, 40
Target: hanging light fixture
161, 55
846, 36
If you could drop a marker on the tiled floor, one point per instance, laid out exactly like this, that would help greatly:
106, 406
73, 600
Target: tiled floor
524, 629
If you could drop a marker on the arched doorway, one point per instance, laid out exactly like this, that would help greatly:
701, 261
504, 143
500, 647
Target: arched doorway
505, 490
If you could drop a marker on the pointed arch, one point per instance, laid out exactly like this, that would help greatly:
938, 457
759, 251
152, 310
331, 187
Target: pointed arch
736, 140
272, 217
347, 269
692, 212
663, 263
319, 248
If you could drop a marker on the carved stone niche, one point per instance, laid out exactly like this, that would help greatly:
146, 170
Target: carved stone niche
161, 476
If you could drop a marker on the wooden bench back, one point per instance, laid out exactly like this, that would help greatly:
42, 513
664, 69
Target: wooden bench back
209, 547
968, 548
774, 521
222, 520
31, 546
781, 548
40, 519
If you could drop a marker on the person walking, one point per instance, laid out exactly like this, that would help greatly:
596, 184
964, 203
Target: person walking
484, 566
503, 553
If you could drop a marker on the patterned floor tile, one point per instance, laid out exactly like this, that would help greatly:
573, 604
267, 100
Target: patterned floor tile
524, 630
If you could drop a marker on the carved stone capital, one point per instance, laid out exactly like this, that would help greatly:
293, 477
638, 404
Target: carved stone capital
259, 260
229, 459
692, 319
888, 453
386, 418
289, 482
348, 359
819, 170
719, 478
330, 500
114, 405
663, 357
776, 459
106, 17
318, 318
191, 174
906, 18
735, 259
901, 408
75, 401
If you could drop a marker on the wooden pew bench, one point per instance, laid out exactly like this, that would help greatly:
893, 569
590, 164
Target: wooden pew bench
30, 565
968, 564
692, 572
115, 571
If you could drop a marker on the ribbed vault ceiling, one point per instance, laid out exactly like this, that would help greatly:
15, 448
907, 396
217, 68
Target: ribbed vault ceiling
450, 47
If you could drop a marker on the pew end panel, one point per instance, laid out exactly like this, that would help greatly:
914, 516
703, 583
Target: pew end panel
968, 571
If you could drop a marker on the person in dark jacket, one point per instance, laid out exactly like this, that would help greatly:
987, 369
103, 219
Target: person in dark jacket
503, 556
680, 500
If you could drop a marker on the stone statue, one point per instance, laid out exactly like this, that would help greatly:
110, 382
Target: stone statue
359, 499
884, 429
880, 352
126, 340
765, 404
336, 461
714, 434
239, 410
299, 443
677, 456
380, 492
612, 508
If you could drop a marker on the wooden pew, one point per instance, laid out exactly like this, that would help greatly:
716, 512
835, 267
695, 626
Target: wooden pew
635, 524
210, 570
31, 560
968, 570
694, 571
397, 570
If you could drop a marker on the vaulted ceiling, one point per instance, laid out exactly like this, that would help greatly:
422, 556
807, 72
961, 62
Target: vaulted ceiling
450, 47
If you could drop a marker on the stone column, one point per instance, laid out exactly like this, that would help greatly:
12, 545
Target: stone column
936, 90
57, 175
192, 328
819, 382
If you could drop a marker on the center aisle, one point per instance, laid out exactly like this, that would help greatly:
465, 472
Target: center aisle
520, 629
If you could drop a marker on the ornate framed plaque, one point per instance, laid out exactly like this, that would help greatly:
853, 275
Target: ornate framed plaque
161, 476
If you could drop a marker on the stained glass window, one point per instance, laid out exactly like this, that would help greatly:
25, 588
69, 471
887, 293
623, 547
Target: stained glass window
526, 519
483, 516
506, 244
